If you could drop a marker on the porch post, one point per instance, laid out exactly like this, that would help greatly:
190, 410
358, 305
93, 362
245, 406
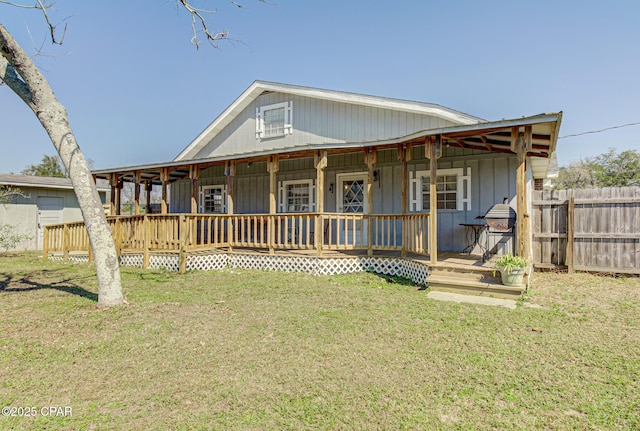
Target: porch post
147, 187
433, 153
370, 158
183, 240
523, 143
194, 174
230, 172
66, 238
136, 194
273, 165
113, 182
146, 229
320, 161
45, 243
404, 155
164, 177
119, 186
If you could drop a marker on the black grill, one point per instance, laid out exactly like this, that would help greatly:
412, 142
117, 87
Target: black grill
500, 218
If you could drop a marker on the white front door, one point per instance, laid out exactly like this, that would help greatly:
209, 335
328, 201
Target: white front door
351, 198
49, 212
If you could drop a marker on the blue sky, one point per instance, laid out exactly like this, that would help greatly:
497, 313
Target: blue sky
138, 92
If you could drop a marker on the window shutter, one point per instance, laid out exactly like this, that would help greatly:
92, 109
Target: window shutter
224, 199
415, 193
282, 197
312, 196
259, 123
464, 190
288, 119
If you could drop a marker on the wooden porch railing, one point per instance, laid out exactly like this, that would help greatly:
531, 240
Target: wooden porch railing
185, 233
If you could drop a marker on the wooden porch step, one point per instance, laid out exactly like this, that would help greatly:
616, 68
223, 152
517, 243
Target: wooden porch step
472, 281
470, 273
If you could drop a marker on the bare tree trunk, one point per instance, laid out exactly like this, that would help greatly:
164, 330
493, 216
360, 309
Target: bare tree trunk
24, 78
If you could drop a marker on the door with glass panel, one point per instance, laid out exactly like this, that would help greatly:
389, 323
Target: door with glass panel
351, 198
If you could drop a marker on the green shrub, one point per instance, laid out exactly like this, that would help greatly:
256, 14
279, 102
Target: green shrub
8, 237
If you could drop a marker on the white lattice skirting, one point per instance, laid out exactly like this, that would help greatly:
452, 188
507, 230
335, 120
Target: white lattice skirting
414, 271
168, 261
207, 262
78, 258
393, 266
132, 260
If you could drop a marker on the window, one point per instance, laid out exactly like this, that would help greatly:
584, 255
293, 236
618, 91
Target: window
213, 199
297, 196
353, 196
452, 188
274, 120
446, 189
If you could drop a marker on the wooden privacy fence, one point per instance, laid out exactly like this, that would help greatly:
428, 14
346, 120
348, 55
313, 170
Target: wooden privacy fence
594, 229
184, 233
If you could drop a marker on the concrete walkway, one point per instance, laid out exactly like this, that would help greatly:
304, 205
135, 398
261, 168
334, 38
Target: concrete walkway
471, 299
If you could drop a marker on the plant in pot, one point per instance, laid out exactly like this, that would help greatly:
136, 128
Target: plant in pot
512, 269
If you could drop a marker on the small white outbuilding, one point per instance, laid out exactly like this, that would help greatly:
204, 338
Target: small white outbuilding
44, 201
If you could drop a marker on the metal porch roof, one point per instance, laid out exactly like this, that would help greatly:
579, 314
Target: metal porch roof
491, 136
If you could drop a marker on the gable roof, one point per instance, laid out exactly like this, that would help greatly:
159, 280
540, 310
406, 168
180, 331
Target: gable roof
41, 182
261, 87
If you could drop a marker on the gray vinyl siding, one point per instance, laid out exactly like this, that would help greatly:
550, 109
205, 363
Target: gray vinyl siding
492, 179
250, 185
317, 121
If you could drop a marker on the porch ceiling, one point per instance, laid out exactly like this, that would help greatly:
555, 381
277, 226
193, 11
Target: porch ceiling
487, 136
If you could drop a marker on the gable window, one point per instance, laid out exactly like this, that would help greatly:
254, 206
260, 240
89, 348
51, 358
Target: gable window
274, 120
297, 196
453, 190
213, 199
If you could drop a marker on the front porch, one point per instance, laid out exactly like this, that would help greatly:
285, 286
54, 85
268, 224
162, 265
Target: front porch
311, 234
394, 245
419, 193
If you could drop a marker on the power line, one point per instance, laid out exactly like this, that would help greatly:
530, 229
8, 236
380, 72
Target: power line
600, 131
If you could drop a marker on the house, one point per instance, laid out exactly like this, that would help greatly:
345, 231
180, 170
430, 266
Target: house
44, 201
300, 171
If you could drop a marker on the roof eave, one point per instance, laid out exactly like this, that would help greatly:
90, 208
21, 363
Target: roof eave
19, 184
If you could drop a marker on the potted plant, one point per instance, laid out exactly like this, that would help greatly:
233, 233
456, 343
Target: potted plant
512, 269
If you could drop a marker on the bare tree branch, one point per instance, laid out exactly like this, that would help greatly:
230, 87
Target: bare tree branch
52, 28
24, 6
43, 7
197, 15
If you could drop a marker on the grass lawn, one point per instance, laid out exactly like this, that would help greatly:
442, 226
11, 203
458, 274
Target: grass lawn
261, 350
